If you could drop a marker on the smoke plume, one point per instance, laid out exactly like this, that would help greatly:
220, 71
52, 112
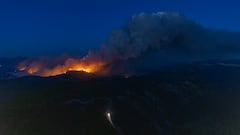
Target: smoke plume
159, 34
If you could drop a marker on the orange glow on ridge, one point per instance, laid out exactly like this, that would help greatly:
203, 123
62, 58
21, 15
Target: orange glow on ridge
86, 64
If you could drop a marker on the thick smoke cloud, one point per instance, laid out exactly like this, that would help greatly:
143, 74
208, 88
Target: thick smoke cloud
146, 39
146, 33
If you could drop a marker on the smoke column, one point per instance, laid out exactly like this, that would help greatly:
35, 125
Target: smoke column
144, 35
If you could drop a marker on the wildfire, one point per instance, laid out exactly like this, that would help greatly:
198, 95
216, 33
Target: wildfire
86, 64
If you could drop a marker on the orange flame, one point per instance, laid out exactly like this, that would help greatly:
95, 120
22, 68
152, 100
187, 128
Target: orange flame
89, 64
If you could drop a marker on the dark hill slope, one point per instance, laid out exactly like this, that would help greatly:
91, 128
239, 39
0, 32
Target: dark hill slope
200, 98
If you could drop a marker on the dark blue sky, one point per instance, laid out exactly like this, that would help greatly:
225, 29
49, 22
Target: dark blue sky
48, 27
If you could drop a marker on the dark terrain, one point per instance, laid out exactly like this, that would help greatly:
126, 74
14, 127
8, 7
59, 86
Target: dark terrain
199, 98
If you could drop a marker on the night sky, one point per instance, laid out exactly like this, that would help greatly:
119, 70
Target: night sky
49, 28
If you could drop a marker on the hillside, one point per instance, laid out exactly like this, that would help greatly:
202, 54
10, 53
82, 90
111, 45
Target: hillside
199, 98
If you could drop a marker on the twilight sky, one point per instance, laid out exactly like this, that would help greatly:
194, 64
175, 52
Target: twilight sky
54, 27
